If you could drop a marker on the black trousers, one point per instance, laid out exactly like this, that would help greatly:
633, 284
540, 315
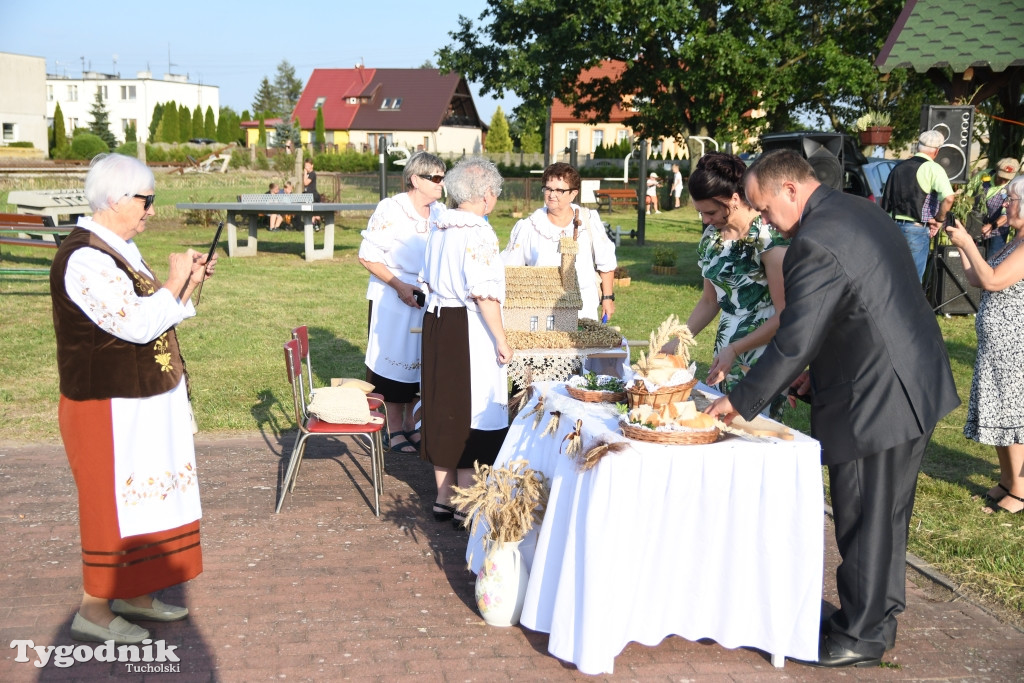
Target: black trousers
872, 499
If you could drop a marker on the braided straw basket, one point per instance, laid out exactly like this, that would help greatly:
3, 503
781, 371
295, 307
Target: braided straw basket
691, 437
638, 394
594, 396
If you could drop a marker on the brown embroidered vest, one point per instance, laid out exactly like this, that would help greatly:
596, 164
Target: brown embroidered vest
94, 364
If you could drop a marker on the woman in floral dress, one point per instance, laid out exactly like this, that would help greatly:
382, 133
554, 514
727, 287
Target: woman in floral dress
740, 257
995, 414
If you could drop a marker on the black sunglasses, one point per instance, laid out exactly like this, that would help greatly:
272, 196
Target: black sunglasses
433, 178
147, 199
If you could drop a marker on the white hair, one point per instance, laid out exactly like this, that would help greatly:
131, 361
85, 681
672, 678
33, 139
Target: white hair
471, 179
1015, 189
112, 177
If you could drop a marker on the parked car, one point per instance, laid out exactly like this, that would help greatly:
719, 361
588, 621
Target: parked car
862, 176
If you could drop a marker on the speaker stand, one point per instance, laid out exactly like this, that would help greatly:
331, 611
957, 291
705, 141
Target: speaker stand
938, 261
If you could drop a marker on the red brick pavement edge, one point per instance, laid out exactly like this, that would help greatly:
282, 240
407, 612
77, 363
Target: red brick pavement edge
326, 591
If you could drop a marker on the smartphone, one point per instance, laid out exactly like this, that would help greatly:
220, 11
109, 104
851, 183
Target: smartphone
806, 398
420, 297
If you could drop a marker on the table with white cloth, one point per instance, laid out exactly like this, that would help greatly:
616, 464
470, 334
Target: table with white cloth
720, 541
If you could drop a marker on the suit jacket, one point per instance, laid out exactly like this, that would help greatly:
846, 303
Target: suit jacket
856, 314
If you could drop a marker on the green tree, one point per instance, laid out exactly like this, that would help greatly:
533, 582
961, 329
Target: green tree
131, 133
100, 124
287, 90
60, 138
209, 127
319, 133
498, 139
261, 138
198, 126
687, 67
154, 121
265, 99
224, 126
184, 124
169, 122
86, 145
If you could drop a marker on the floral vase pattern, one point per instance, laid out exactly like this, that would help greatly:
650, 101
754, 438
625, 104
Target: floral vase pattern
501, 585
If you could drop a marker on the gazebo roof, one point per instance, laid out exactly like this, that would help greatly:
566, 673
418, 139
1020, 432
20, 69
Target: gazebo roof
959, 34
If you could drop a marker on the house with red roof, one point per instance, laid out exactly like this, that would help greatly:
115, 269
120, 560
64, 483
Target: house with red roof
419, 109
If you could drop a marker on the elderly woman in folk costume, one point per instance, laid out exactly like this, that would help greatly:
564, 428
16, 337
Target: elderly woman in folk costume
392, 250
464, 379
124, 412
534, 240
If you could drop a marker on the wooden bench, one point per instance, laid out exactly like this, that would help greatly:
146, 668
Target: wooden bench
615, 197
22, 230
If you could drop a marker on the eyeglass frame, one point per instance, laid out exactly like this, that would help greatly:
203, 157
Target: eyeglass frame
147, 200
557, 191
437, 179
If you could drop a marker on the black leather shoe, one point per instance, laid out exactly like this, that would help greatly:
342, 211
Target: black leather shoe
834, 656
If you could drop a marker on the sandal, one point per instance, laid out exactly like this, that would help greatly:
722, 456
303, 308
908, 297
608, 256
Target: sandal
408, 437
404, 447
443, 514
993, 498
459, 521
993, 509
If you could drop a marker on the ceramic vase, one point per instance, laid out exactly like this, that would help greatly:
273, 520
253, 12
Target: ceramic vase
501, 585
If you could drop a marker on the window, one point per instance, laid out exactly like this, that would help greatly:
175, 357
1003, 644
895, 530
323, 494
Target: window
572, 135
551, 323
621, 134
125, 123
397, 104
72, 93
598, 139
127, 92
49, 93
72, 124
533, 323
319, 102
9, 132
386, 104
102, 90
353, 100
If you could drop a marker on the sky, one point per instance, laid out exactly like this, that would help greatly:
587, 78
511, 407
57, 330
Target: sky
233, 45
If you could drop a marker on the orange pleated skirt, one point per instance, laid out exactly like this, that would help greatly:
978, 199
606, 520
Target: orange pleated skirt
115, 567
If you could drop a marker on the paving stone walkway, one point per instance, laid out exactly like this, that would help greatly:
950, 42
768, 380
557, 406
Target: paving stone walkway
325, 591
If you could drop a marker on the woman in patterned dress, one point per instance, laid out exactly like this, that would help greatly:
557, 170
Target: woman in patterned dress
392, 250
464, 378
740, 257
995, 413
124, 412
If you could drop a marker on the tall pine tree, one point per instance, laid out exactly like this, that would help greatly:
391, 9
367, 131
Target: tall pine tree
209, 127
287, 89
154, 121
498, 138
265, 100
100, 124
169, 122
60, 137
184, 124
261, 138
319, 135
198, 126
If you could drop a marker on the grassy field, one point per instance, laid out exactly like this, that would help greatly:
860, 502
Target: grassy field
233, 350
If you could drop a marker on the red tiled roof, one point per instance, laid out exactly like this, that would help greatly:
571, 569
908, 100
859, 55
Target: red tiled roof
428, 99
336, 86
562, 113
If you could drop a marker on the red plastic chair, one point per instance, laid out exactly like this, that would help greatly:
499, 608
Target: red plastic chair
310, 426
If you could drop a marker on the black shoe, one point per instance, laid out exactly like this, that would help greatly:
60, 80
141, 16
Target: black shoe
831, 655
459, 522
442, 512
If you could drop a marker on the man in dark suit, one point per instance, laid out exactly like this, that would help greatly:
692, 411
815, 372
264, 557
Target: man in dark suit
878, 383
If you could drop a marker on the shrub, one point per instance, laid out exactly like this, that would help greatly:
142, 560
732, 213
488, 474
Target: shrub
346, 162
664, 256
87, 145
282, 162
130, 149
21, 143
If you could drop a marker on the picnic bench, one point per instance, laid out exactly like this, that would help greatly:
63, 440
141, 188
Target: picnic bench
20, 230
251, 206
612, 197
52, 203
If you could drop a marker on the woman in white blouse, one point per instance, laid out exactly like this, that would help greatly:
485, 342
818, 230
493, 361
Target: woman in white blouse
534, 240
464, 379
124, 412
392, 250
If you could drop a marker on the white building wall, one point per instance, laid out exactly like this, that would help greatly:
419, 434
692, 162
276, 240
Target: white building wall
23, 100
119, 102
455, 140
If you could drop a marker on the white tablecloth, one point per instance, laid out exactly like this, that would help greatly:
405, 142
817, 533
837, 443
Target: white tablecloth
722, 541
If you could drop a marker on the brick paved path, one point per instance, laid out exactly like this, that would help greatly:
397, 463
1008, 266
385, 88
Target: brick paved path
325, 591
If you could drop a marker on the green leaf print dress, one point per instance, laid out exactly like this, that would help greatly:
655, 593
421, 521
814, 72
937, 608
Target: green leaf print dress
735, 270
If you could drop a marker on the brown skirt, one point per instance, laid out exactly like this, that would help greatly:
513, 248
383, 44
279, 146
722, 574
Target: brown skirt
448, 439
115, 567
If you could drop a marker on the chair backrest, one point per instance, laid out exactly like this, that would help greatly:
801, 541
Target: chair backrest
294, 367
301, 335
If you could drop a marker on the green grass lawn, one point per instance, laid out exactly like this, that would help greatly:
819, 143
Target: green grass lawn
234, 354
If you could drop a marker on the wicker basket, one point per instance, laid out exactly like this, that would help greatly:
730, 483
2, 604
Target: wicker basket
687, 438
592, 396
662, 396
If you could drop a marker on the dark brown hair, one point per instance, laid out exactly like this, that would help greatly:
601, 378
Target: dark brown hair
718, 176
562, 171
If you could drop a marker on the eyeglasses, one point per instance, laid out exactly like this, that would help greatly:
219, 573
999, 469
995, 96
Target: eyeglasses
436, 179
1009, 200
147, 199
556, 191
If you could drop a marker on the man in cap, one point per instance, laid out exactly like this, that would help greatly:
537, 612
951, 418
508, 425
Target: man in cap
918, 196
996, 228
